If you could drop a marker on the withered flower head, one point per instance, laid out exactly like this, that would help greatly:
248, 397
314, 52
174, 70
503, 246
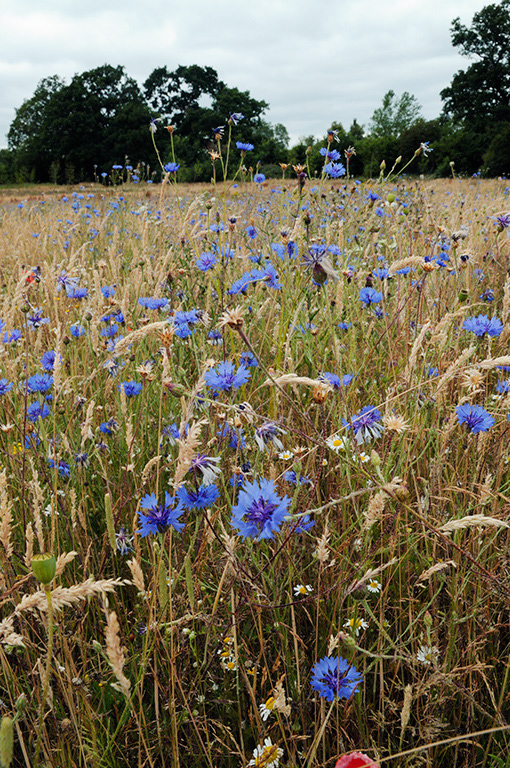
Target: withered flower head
166, 337
232, 317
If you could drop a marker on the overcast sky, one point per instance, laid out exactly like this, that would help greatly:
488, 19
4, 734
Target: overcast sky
313, 61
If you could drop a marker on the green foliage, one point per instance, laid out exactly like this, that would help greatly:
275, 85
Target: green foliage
65, 131
394, 115
481, 93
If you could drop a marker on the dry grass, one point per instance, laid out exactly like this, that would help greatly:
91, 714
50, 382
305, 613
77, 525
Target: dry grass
405, 572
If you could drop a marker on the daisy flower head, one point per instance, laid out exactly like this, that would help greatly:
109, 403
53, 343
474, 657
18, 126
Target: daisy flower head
267, 707
266, 755
428, 654
356, 625
303, 589
333, 677
374, 586
474, 417
259, 511
337, 443
366, 424
159, 517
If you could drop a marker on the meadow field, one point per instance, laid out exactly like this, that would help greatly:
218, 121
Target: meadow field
259, 433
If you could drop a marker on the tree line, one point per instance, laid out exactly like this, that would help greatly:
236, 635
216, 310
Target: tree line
79, 131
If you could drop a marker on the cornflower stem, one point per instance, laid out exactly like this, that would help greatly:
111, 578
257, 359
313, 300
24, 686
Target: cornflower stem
46, 682
225, 172
175, 744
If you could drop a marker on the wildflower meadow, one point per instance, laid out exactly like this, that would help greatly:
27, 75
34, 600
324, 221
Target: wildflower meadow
255, 470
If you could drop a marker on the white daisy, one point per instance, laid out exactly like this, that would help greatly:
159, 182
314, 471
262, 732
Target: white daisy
266, 756
428, 654
303, 589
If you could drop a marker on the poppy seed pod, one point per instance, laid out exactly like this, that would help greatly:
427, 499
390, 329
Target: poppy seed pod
43, 567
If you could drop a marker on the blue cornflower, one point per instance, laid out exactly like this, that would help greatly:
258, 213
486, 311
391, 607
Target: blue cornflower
41, 382
502, 387
207, 466
63, 467
333, 677
131, 388
36, 411
206, 261
75, 292
249, 360
269, 433
5, 386
12, 337
63, 280
150, 303
124, 542
269, 276
241, 284
110, 331
81, 459
344, 326
234, 435
108, 427
201, 499
487, 295
244, 147
235, 117
251, 231
482, 325
108, 291
305, 522
215, 337
117, 167
48, 360
424, 147
172, 167
291, 477
318, 260
381, 272
259, 511
259, 178
333, 155
159, 517
225, 377
77, 330
474, 417
335, 381
334, 170
366, 424
370, 296
184, 321
36, 318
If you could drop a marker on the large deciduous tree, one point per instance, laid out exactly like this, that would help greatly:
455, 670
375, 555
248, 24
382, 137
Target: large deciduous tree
394, 115
97, 120
481, 93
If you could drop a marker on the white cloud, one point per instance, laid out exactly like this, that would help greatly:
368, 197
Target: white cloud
313, 62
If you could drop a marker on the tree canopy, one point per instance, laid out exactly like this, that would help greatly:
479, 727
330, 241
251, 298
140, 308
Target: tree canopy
394, 115
101, 118
481, 93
